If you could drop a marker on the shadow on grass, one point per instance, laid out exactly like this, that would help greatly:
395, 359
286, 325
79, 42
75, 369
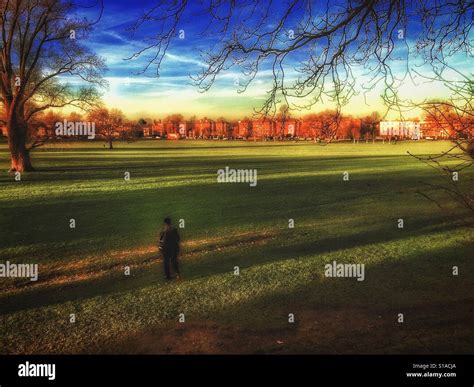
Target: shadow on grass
205, 266
134, 214
334, 315
96, 168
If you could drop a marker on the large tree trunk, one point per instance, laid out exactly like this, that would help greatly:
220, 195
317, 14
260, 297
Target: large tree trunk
17, 130
110, 143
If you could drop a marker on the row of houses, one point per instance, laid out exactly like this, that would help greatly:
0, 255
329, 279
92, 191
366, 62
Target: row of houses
412, 130
345, 128
290, 128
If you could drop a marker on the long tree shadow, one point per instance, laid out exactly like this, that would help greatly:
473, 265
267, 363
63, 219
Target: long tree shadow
139, 205
338, 315
149, 274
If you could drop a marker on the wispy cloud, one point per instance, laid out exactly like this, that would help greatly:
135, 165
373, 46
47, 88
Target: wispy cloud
173, 90
183, 59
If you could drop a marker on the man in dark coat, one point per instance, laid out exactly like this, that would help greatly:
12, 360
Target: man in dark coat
169, 246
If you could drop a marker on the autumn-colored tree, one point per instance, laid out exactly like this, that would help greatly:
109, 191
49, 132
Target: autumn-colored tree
312, 126
42, 41
49, 119
174, 120
42, 127
107, 123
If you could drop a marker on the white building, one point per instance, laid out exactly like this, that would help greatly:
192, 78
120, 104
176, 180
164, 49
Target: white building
404, 129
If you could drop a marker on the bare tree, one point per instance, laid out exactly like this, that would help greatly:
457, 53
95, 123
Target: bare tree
454, 119
327, 45
41, 41
108, 123
282, 117
369, 125
330, 122
326, 40
41, 127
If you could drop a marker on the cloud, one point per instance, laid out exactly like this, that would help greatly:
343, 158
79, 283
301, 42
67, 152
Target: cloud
183, 59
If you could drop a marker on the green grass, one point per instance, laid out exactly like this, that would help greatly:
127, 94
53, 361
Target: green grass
282, 270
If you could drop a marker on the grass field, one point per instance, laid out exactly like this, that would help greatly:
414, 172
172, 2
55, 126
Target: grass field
81, 270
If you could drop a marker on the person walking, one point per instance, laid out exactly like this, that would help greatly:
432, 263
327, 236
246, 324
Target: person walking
169, 246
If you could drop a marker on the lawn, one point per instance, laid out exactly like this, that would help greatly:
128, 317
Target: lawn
81, 270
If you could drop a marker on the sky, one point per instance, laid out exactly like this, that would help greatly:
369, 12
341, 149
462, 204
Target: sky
144, 95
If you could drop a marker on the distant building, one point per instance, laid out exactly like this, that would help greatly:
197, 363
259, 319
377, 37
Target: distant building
286, 128
204, 128
223, 129
400, 129
244, 129
170, 127
147, 131
183, 129
263, 128
157, 129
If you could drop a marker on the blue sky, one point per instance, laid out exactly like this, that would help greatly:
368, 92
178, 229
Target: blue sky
142, 95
